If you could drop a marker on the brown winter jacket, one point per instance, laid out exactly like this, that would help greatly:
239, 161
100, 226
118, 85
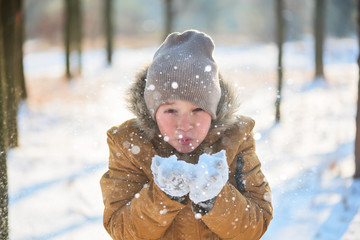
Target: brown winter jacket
135, 207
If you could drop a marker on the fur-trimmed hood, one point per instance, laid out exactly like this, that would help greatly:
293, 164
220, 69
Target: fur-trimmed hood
225, 114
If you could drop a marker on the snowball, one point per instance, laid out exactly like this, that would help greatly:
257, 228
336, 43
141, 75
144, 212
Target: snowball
207, 68
174, 85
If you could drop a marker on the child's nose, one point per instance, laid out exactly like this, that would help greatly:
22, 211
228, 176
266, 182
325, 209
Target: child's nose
184, 123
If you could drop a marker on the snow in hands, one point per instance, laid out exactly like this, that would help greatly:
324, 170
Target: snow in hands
203, 181
172, 176
211, 174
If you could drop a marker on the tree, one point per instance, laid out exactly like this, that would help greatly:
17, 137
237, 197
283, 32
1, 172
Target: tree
169, 17
357, 136
279, 41
319, 29
10, 71
109, 29
19, 39
3, 139
12, 91
73, 32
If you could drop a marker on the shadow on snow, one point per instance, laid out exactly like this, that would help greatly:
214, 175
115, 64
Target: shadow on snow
31, 190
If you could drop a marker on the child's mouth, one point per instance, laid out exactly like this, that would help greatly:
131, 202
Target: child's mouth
185, 140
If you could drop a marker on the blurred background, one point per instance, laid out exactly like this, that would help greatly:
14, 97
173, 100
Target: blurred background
66, 65
142, 23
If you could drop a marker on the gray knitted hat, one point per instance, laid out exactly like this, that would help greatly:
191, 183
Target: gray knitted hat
183, 68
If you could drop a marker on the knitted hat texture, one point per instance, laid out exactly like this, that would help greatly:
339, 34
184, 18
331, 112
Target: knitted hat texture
183, 68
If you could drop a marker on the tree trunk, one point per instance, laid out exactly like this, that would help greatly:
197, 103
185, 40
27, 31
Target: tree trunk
319, 31
357, 136
169, 17
67, 38
4, 226
8, 19
12, 90
4, 198
19, 37
279, 41
109, 29
73, 33
78, 30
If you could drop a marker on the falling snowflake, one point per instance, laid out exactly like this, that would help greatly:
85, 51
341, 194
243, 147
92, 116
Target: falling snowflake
198, 216
151, 87
267, 196
207, 68
135, 149
174, 85
163, 211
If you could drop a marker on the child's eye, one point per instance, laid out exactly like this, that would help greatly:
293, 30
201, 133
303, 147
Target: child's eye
198, 110
170, 111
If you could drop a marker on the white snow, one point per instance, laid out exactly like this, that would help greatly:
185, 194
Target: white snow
210, 175
174, 85
207, 68
203, 181
151, 87
173, 176
307, 158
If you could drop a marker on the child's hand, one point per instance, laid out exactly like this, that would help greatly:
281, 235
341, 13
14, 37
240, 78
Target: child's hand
211, 174
172, 175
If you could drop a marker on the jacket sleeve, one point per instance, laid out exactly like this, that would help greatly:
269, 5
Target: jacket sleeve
244, 211
135, 208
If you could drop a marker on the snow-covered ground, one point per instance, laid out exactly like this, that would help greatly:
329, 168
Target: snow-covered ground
308, 157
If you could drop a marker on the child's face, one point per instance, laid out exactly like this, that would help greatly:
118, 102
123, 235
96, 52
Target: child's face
183, 124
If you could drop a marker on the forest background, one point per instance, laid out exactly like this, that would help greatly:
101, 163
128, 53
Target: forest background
246, 35
141, 22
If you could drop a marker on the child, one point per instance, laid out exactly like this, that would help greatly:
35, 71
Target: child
185, 167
